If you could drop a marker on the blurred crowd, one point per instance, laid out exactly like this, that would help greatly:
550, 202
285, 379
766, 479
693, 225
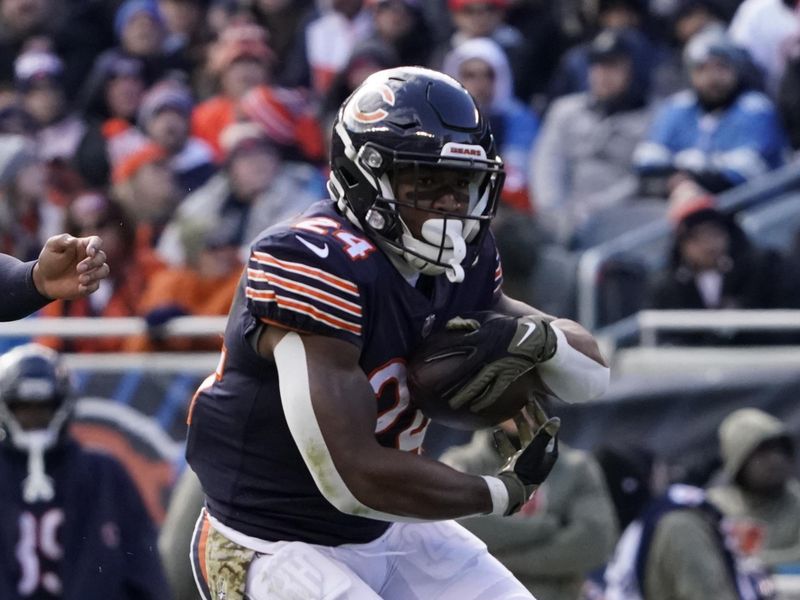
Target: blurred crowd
177, 129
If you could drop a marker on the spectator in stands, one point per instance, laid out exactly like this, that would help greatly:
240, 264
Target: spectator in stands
317, 61
254, 190
204, 286
718, 134
549, 30
485, 19
630, 475
401, 24
366, 59
690, 17
685, 20
287, 118
284, 20
621, 14
27, 218
18, 23
239, 61
118, 295
185, 23
38, 80
164, 115
675, 546
482, 68
73, 523
712, 264
566, 529
146, 187
582, 159
76, 33
141, 33
110, 99
572, 74
788, 96
760, 493
14, 119
766, 28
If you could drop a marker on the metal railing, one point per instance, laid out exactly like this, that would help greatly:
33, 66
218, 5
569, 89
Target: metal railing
651, 322
85, 327
104, 327
644, 326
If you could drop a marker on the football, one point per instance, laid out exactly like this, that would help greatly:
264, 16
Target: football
446, 360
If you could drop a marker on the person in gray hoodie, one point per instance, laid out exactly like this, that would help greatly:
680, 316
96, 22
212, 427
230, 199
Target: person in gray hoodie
581, 163
760, 494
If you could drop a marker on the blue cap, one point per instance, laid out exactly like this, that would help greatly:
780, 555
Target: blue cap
130, 9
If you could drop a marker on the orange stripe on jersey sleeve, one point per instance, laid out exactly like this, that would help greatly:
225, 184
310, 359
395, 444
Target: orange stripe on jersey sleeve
304, 290
303, 308
312, 272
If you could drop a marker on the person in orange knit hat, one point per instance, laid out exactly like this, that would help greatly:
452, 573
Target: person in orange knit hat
713, 264
286, 118
239, 60
148, 191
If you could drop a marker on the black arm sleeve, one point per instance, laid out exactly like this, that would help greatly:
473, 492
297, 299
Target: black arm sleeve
20, 296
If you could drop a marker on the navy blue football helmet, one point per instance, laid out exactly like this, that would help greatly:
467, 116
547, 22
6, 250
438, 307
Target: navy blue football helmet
33, 374
415, 118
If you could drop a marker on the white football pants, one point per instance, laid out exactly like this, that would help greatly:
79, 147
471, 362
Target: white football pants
411, 561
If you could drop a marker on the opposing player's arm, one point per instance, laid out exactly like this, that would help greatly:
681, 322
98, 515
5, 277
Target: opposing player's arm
577, 372
330, 409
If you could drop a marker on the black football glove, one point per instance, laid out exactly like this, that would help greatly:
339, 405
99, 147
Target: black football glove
510, 347
527, 467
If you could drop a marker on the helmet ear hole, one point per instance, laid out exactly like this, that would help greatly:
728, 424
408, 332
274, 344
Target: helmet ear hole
384, 220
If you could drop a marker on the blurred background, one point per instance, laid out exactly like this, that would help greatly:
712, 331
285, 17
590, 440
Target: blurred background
653, 189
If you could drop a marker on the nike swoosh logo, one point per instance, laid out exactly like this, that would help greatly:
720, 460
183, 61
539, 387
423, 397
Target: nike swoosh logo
321, 251
531, 328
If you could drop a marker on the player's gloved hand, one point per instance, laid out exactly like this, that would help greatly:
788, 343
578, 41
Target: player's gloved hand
505, 349
527, 467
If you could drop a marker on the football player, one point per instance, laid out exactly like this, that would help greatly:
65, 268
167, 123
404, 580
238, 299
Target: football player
67, 267
73, 524
304, 439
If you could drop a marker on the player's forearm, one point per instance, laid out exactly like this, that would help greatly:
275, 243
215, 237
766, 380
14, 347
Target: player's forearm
20, 296
330, 411
409, 485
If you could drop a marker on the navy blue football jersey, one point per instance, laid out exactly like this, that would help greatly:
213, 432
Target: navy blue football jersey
92, 541
317, 274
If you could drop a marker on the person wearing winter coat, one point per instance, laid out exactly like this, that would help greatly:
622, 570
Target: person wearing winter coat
759, 490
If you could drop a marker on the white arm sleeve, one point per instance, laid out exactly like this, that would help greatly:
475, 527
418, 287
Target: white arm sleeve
290, 358
571, 375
